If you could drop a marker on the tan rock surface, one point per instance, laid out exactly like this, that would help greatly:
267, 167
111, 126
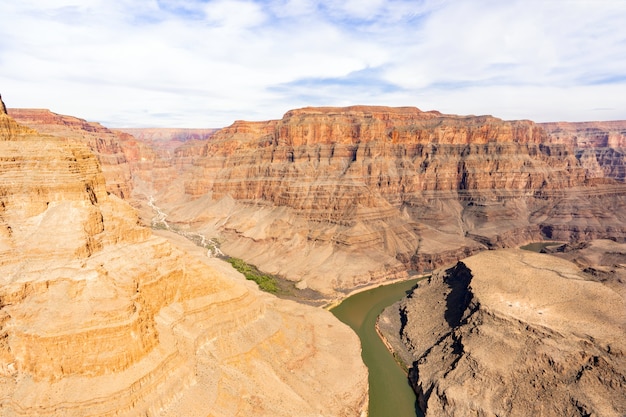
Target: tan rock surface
100, 317
104, 143
335, 198
390, 189
515, 333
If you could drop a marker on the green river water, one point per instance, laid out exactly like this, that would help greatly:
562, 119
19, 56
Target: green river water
390, 393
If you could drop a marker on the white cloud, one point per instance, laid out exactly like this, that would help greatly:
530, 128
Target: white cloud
207, 63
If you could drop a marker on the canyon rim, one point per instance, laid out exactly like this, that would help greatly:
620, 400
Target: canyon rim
329, 199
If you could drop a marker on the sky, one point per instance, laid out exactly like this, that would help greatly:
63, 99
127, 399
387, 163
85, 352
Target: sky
207, 63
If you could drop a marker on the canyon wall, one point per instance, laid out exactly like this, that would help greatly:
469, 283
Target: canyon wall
166, 140
516, 333
335, 198
600, 146
99, 316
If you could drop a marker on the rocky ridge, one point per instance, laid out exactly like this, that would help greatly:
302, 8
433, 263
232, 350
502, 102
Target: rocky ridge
99, 316
511, 332
362, 194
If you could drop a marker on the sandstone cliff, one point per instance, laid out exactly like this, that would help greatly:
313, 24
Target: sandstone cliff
167, 140
600, 146
361, 194
98, 316
104, 143
514, 333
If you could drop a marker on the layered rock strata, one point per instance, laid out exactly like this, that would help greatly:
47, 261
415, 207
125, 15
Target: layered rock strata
98, 316
167, 140
514, 333
104, 143
600, 146
361, 194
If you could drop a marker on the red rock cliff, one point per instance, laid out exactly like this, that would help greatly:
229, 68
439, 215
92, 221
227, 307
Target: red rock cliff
396, 188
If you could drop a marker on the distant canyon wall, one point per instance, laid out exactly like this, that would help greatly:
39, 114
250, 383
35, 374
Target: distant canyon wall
600, 146
404, 188
335, 198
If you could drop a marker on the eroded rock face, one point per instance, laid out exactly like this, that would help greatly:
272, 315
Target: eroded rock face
167, 140
98, 316
104, 143
600, 146
511, 332
361, 194
335, 198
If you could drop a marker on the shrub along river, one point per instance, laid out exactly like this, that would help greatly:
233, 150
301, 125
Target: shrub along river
390, 392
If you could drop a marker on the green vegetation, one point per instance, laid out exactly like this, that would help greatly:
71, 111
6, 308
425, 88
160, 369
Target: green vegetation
159, 226
264, 281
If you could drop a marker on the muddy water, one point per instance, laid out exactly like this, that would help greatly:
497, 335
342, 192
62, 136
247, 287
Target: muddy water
390, 393
538, 246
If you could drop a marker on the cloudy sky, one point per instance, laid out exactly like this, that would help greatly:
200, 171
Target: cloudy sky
206, 63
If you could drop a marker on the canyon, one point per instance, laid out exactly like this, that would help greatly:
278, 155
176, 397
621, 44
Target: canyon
330, 200
361, 195
102, 316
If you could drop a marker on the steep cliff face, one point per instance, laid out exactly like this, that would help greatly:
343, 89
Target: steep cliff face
515, 333
98, 316
104, 143
390, 189
600, 146
167, 140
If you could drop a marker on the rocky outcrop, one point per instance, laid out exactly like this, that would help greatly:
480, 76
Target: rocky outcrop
104, 143
390, 189
515, 333
98, 316
3, 108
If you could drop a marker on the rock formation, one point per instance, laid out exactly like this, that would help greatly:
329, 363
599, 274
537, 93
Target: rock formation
600, 146
515, 333
335, 198
167, 140
104, 143
98, 316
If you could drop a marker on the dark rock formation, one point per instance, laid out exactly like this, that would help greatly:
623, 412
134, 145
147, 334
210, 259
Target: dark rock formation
515, 333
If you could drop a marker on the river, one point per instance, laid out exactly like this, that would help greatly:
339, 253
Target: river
390, 393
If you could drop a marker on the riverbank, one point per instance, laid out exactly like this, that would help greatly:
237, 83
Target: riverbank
404, 366
334, 303
389, 387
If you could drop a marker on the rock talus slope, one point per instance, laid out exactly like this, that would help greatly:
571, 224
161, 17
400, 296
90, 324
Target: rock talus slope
511, 332
98, 316
362, 194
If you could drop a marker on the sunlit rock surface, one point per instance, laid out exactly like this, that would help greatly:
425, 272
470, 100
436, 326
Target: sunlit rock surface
98, 316
516, 333
335, 198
